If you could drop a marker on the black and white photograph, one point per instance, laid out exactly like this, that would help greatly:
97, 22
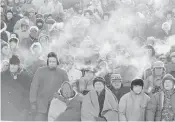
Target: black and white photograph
87, 60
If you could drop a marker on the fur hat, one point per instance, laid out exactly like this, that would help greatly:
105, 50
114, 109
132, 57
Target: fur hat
14, 60
43, 35
34, 28
168, 77
99, 79
36, 44
137, 82
16, 40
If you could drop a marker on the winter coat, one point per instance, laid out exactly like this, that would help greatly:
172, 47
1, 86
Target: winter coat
90, 107
27, 42
10, 24
15, 96
132, 107
155, 106
73, 110
45, 83
116, 92
4, 36
35, 65
150, 82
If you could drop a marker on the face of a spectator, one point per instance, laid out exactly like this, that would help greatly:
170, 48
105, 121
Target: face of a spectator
149, 52
137, 89
5, 66
89, 75
24, 28
52, 62
158, 71
99, 86
9, 15
2, 2
33, 33
14, 68
13, 45
166, 27
66, 90
5, 50
116, 84
168, 84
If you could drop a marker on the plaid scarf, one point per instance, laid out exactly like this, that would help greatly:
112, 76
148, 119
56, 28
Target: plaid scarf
167, 111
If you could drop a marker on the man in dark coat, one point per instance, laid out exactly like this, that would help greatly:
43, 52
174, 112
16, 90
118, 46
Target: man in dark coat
15, 88
47, 80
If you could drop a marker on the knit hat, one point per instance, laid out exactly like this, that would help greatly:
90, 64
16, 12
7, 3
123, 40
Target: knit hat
137, 82
158, 64
115, 77
16, 40
14, 60
36, 44
99, 79
168, 77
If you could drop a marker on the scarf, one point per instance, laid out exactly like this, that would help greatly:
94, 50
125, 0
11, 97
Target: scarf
167, 111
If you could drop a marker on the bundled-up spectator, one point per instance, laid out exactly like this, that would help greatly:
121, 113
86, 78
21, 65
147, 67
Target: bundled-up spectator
116, 85
132, 106
170, 67
85, 84
15, 92
23, 30
13, 43
11, 21
33, 37
99, 104
42, 91
5, 51
31, 15
162, 104
153, 83
34, 61
40, 24
66, 106
45, 8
